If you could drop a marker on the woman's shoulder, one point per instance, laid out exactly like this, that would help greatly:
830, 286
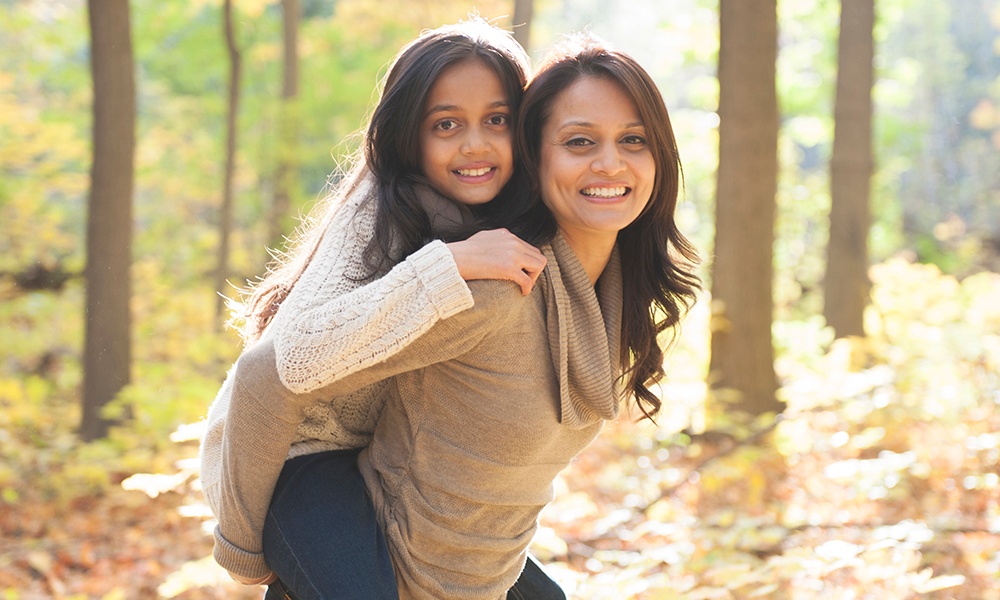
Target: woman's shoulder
498, 298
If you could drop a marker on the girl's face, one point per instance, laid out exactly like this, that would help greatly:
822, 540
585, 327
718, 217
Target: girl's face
597, 171
465, 134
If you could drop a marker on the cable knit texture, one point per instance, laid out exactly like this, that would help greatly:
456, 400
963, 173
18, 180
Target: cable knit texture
331, 325
479, 421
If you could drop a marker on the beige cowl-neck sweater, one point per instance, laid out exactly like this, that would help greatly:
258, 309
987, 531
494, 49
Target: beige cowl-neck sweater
483, 411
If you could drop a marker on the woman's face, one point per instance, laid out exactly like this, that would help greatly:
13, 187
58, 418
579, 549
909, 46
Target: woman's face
596, 171
465, 135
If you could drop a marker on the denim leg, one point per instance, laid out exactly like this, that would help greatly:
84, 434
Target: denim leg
535, 584
321, 536
278, 591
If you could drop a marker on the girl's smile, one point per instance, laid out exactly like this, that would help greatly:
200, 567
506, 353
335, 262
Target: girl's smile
465, 137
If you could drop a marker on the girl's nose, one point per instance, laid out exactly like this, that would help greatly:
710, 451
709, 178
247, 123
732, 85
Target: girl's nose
475, 142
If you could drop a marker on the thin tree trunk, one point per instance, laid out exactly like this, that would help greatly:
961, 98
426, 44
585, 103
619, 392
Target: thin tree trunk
846, 286
742, 363
523, 11
107, 353
226, 212
288, 127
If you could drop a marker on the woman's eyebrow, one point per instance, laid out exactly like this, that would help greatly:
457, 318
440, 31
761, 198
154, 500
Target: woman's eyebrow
576, 123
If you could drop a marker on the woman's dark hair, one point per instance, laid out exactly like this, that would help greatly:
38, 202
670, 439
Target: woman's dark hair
391, 160
659, 282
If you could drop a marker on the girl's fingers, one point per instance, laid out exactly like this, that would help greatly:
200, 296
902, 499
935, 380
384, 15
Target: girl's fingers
525, 281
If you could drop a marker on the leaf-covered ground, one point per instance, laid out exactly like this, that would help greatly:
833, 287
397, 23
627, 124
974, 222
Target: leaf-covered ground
882, 480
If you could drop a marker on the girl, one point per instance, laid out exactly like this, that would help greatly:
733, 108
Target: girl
490, 404
365, 282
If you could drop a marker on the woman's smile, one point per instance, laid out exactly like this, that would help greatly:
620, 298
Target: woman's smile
597, 171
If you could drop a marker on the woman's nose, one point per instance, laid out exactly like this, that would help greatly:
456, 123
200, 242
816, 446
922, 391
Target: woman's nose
609, 161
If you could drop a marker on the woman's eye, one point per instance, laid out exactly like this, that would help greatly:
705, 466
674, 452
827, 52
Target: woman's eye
634, 140
579, 142
498, 120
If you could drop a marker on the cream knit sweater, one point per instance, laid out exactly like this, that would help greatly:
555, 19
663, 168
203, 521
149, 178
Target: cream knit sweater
328, 327
484, 410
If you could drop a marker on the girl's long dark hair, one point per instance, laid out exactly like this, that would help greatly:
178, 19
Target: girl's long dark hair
658, 262
390, 158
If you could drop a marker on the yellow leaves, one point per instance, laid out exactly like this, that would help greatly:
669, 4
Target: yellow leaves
154, 484
985, 115
927, 584
193, 574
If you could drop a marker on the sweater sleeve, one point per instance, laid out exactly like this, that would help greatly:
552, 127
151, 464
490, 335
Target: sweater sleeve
264, 414
331, 326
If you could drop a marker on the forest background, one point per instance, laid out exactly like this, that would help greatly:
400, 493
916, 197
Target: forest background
881, 478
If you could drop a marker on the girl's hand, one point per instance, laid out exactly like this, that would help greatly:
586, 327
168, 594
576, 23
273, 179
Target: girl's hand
498, 254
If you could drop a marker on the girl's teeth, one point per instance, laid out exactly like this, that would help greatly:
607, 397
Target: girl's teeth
605, 192
474, 172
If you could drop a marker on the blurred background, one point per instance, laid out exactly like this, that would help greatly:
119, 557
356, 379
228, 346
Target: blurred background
832, 407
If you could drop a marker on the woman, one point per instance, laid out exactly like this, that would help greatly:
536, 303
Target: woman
489, 405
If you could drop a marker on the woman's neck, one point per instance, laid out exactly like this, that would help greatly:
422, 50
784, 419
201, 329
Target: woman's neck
592, 251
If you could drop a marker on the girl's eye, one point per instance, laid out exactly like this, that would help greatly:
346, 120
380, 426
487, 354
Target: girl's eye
446, 124
498, 120
634, 140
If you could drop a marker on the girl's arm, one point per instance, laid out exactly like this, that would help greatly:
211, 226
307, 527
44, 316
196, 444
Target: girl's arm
264, 415
334, 323
331, 325
498, 254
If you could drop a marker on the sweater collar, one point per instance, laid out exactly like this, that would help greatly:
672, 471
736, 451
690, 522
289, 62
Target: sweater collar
584, 329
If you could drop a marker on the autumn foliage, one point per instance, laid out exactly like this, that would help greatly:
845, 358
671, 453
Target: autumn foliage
880, 481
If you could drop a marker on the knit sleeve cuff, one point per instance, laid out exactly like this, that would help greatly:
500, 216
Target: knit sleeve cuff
436, 268
248, 565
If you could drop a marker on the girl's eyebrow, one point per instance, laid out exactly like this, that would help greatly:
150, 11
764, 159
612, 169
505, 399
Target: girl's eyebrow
453, 107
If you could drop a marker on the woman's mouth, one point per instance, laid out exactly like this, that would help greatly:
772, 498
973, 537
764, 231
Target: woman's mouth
609, 192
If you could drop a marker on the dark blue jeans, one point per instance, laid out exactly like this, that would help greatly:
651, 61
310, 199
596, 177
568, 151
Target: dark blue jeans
323, 541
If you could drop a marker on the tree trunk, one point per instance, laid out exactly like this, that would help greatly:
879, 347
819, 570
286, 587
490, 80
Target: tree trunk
226, 212
107, 352
523, 10
742, 363
846, 284
288, 128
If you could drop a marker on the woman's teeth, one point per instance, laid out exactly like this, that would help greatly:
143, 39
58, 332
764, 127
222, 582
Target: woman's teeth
605, 192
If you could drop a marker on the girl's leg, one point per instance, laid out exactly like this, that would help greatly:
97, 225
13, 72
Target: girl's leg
321, 536
278, 591
535, 584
